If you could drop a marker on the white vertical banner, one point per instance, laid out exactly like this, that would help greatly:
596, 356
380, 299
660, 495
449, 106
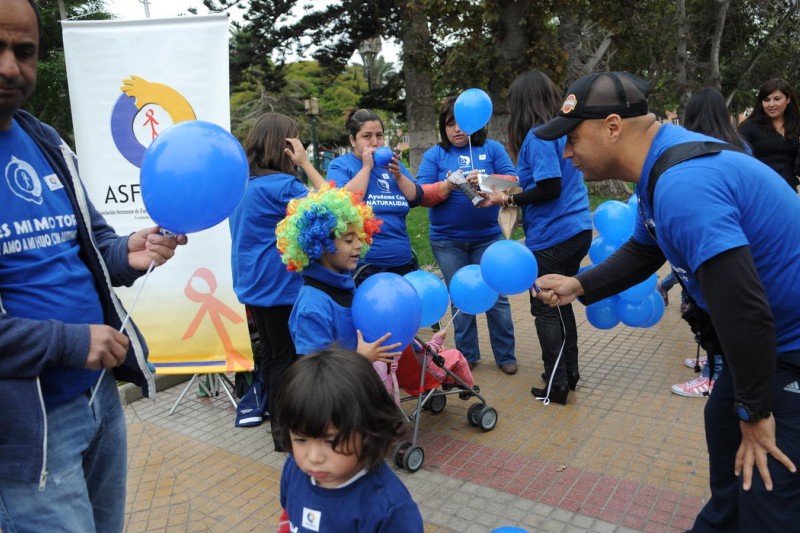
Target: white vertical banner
129, 81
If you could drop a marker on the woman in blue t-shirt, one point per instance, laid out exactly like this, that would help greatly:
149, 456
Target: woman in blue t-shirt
460, 233
260, 279
390, 191
556, 218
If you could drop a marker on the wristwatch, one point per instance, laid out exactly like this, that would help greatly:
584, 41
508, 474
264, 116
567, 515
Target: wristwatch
746, 414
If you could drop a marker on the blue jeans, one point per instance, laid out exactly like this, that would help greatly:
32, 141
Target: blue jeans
86, 465
564, 259
451, 256
717, 364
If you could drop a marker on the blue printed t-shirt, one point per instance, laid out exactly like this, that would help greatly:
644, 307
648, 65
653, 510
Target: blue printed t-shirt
711, 204
550, 223
42, 276
455, 218
391, 246
317, 321
375, 502
259, 276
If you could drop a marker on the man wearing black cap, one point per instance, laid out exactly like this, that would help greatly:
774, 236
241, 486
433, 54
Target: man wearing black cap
713, 216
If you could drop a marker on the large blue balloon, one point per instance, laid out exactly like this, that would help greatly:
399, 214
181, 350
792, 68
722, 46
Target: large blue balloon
469, 291
600, 249
509, 267
640, 291
387, 303
603, 314
634, 314
432, 294
382, 156
472, 110
614, 220
192, 176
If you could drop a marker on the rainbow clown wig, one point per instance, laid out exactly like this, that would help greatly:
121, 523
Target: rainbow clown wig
312, 223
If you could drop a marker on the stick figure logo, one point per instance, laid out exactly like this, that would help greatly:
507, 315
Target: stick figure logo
138, 97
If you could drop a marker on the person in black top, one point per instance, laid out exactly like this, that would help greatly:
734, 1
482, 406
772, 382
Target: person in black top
772, 130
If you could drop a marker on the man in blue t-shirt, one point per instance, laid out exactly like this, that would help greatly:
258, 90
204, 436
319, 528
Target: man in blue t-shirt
62, 433
731, 230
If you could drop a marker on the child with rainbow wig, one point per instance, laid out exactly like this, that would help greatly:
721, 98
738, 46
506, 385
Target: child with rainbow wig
322, 237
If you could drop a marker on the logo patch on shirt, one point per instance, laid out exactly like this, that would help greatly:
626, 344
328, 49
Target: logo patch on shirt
53, 183
383, 183
311, 519
463, 161
23, 180
482, 157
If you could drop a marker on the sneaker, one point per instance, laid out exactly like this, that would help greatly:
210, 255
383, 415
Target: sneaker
694, 388
690, 361
663, 294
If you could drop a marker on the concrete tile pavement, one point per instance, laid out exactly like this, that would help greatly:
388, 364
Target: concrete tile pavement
625, 454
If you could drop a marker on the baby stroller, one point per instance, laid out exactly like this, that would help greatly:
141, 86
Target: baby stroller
429, 389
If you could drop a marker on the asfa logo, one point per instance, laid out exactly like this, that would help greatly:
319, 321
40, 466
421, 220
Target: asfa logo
464, 161
23, 181
383, 183
142, 111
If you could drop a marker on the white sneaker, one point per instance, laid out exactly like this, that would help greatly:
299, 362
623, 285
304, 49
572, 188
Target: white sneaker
690, 361
694, 388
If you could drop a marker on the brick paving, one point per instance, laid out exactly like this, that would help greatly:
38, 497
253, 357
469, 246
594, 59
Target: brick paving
623, 455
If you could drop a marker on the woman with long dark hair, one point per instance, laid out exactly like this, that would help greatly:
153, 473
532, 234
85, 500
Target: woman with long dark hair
772, 130
556, 218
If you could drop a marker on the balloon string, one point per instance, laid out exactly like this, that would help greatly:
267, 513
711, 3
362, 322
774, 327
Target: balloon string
451, 320
124, 324
471, 160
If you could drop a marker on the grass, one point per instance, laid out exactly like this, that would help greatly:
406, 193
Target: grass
417, 223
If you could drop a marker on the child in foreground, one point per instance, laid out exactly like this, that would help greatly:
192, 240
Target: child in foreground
338, 420
323, 236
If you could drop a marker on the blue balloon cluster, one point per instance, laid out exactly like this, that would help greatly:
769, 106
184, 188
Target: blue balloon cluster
638, 306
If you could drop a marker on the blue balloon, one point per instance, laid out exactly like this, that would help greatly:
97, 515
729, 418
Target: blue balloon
634, 314
472, 110
509, 267
432, 294
192, 176
633, 201
640, 291
603, 314
657, 303
387, 303
600, 249
614, 220
382, 156
469, 291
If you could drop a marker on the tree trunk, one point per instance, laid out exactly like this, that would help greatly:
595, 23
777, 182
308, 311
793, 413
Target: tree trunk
609, 189
714, 76
681, 57
417, 60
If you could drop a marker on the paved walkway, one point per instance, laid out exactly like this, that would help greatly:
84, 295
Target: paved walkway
625, 454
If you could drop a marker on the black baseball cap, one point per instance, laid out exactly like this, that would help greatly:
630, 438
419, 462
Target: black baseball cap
596, 96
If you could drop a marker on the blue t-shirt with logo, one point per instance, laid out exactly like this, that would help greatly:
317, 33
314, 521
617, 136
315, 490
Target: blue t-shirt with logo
550, 223
391, 247
259, 276
711, 204
456, 218
42, 276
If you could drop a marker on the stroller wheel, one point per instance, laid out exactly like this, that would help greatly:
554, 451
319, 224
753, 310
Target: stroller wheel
437, 403
473, 414
399, 453
413, 459
487, 418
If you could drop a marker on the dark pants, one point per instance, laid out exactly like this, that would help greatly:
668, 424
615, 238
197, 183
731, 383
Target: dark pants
565, 259
731, 508
277, 348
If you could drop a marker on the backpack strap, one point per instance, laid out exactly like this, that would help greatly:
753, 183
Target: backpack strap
680, 153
